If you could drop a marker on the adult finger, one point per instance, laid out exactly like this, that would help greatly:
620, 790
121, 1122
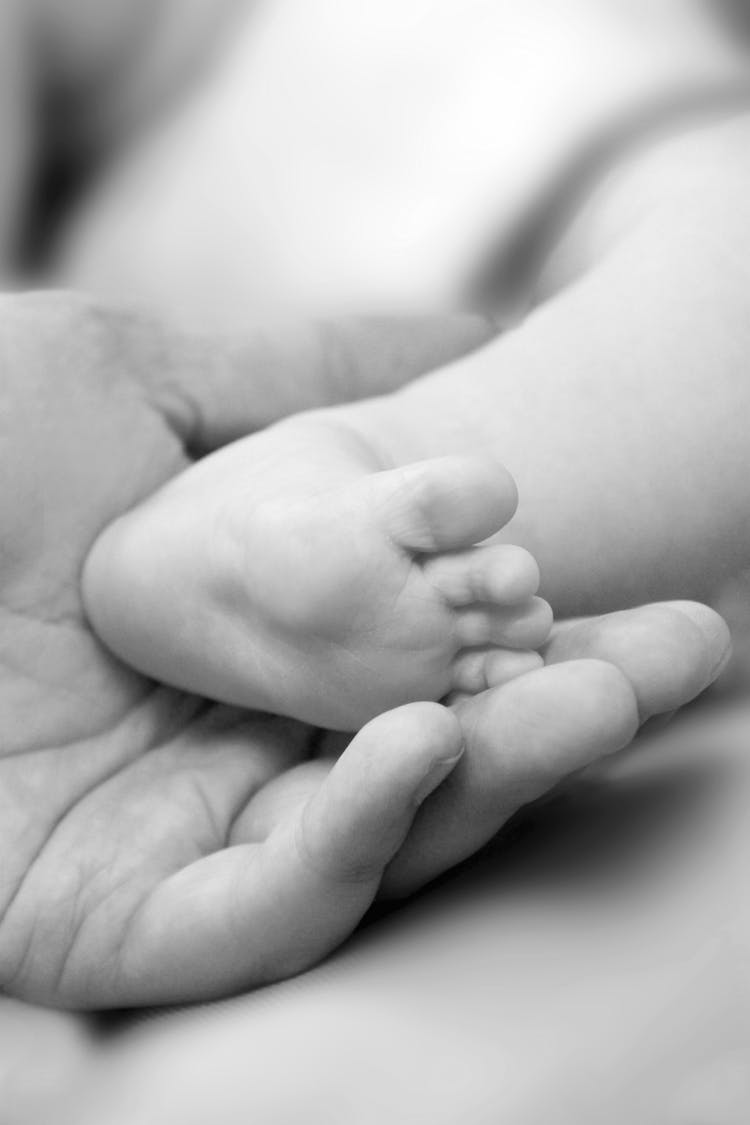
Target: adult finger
521, 740
215, 389
670, 651
256, 913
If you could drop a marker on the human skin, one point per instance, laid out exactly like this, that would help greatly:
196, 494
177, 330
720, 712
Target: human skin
633, 361
135, 819
619, 407
620, 404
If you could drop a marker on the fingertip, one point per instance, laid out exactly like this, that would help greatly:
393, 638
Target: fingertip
714, 631
361, 815
669, 651
419, 745
415, 726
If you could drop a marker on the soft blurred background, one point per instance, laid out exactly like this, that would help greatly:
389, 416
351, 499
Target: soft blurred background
324, 155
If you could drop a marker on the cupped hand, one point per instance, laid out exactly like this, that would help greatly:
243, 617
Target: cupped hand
159, 848
111, 785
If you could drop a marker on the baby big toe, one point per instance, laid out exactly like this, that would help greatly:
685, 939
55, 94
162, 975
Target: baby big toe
523, 626
444, 504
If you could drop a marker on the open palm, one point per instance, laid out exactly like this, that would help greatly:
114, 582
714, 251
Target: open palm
156, 847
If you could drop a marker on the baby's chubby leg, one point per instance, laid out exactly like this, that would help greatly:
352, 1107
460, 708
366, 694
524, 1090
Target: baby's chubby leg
619, 405
295, 572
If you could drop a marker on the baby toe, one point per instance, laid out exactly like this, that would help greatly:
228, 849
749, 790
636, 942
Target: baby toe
502, 574
523, 626
477, 670
445, 504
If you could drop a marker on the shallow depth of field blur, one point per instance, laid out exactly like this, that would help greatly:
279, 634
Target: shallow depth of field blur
329, 156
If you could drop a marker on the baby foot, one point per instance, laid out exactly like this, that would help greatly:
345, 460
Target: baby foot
292, 573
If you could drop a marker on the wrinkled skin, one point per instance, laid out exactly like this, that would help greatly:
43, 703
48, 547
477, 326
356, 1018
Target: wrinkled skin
111, 785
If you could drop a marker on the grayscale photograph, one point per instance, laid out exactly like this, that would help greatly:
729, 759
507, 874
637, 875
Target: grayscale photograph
374, 562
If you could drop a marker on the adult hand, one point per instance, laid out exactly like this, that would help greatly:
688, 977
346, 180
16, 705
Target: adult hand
157, 847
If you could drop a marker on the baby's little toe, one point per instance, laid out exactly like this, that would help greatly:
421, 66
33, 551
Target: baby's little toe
478, 670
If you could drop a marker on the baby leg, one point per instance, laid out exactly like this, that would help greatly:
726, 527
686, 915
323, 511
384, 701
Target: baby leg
619, 406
